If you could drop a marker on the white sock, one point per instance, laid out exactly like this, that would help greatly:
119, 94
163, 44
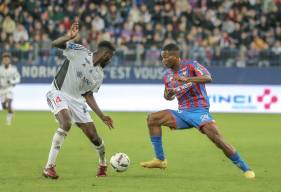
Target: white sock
9, 118
101, 153
57, 142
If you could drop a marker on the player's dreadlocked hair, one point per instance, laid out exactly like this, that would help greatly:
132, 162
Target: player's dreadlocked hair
106, 44
171, 47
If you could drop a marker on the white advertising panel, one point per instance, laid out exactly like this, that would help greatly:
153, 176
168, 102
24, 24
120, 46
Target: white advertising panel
223, 98
245, 98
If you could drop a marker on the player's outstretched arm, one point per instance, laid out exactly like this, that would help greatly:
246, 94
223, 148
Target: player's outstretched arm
94, 106
72, 33
196, 79
202, 75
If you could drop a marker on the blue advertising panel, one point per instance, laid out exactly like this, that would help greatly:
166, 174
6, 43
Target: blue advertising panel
154, 75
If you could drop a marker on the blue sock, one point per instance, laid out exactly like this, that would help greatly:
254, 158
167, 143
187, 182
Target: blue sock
239, 162
158, 148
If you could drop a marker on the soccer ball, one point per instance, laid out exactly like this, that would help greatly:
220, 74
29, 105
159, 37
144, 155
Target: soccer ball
120, 162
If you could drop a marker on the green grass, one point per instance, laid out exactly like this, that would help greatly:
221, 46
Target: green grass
194, 163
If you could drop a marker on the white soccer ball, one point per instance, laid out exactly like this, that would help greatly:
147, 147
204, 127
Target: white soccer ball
120, 162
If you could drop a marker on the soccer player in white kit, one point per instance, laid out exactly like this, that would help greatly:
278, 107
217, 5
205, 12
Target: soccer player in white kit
9, 77
72, 89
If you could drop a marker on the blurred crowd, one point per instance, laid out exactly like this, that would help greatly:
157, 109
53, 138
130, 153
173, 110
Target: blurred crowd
227, 33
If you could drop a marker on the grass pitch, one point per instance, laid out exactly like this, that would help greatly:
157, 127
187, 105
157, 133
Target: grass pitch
194, 164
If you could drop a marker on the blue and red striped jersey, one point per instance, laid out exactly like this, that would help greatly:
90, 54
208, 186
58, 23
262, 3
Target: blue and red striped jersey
189, 95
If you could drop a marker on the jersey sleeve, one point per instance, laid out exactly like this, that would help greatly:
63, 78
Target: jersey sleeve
71, 48
97, 87
198, 69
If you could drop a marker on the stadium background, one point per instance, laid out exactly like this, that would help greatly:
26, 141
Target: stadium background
239, 41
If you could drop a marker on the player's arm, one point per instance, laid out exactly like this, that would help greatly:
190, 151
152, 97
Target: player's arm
72, 33
1, 81
197, 79
169, 94
94, 106
16, 78
202, 75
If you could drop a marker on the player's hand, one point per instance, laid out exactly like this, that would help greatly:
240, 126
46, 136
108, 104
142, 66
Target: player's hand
74, 29
108, 121
170, 93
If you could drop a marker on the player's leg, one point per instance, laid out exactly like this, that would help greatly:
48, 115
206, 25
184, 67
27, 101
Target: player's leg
90, 131
3, 103
154, 123
59, 105
4, 106
211, 130
64, 120
3, 99
9, 117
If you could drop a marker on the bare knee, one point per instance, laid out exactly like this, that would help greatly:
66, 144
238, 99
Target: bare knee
66, 124
213, 134
152, 121
216, 138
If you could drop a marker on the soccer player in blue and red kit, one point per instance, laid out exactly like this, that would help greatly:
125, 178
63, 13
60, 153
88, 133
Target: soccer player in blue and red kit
185, 80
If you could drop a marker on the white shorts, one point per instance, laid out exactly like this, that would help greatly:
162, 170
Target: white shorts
6, 94
58, 101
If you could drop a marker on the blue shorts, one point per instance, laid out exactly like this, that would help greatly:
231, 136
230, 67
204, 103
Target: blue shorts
185, 119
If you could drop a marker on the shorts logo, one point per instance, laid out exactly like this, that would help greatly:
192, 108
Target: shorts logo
84, 108
204, 117
180, 111
57, 100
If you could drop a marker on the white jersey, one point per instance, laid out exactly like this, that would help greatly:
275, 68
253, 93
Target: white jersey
9, 77
78, 75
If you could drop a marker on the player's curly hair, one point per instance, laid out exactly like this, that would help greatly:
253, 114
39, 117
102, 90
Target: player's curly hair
171, 47
107, 45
